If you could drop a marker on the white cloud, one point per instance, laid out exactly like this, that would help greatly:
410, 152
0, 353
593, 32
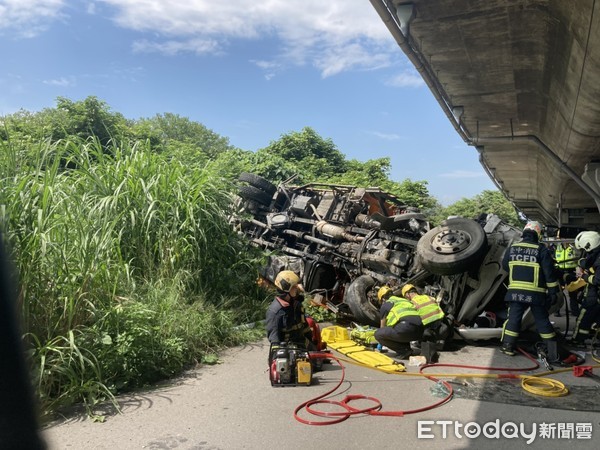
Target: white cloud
386, 136
463, 174
269, 67
170, 47
28, 18
339, 19
406, 79
131, 74
333, 36
62, 81
337, 59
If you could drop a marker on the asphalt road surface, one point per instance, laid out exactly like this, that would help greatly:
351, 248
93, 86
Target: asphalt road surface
232, 405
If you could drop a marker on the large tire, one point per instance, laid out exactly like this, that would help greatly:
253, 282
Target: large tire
357, 300
258, 182
452, 247
255, 194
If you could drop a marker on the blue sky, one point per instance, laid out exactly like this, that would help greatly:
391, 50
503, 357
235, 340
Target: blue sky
250, 71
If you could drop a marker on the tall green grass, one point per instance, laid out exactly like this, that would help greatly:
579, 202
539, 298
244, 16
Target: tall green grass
128, 269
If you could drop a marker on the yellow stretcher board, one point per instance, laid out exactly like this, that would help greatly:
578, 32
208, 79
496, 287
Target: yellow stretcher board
338, 339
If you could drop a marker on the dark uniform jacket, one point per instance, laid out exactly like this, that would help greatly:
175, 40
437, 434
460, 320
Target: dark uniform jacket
531, 272
591, 265
286, 322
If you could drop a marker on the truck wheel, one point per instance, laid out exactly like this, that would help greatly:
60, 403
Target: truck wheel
253, 193
258, 182
357, 300
452, 247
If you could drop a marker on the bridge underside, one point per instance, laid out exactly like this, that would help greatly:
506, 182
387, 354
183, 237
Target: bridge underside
519, 80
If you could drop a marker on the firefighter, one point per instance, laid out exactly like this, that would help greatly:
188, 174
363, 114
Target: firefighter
565, 257
400, 323
532, 284
430, 312
566, 263
589, 242
285, 318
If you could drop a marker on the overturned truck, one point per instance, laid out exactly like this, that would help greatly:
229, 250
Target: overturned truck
346, 241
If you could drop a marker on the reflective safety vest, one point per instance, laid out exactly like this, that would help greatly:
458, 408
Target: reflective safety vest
565, 257
427, 308
402, 308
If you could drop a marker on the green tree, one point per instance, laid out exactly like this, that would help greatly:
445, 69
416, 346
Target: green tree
414, 193
319, 157
374, 172
485, 203
233, 162
23, 125
306, 157
87, 118
181, 137
276, 168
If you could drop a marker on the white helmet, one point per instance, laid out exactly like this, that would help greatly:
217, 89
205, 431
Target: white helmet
534, 226
587, 240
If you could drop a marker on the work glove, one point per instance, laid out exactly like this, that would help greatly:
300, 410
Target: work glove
569, 277
551, 300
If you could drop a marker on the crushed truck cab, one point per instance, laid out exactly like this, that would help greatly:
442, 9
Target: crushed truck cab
345, 242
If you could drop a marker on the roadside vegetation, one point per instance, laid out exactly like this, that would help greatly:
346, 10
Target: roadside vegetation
127, 269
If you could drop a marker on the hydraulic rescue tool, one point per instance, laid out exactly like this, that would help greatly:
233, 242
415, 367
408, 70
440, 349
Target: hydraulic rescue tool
546, 353
585, 371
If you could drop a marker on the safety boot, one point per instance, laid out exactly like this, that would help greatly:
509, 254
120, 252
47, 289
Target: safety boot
429, 351
508, 349
403, 352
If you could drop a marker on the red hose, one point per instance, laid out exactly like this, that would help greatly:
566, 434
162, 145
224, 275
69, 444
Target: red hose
347, 410
375, 409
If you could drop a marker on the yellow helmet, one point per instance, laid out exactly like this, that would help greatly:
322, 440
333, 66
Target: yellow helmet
286, 280
406, 289
383, 292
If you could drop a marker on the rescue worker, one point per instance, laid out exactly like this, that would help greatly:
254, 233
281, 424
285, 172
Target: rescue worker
589, 242
285, 318
400, 323
430, 312
532, 284
566, 263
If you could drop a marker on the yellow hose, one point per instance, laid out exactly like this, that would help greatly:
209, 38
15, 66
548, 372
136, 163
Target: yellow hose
535, 384
545, 387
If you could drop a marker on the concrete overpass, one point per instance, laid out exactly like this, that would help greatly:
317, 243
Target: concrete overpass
520, 81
